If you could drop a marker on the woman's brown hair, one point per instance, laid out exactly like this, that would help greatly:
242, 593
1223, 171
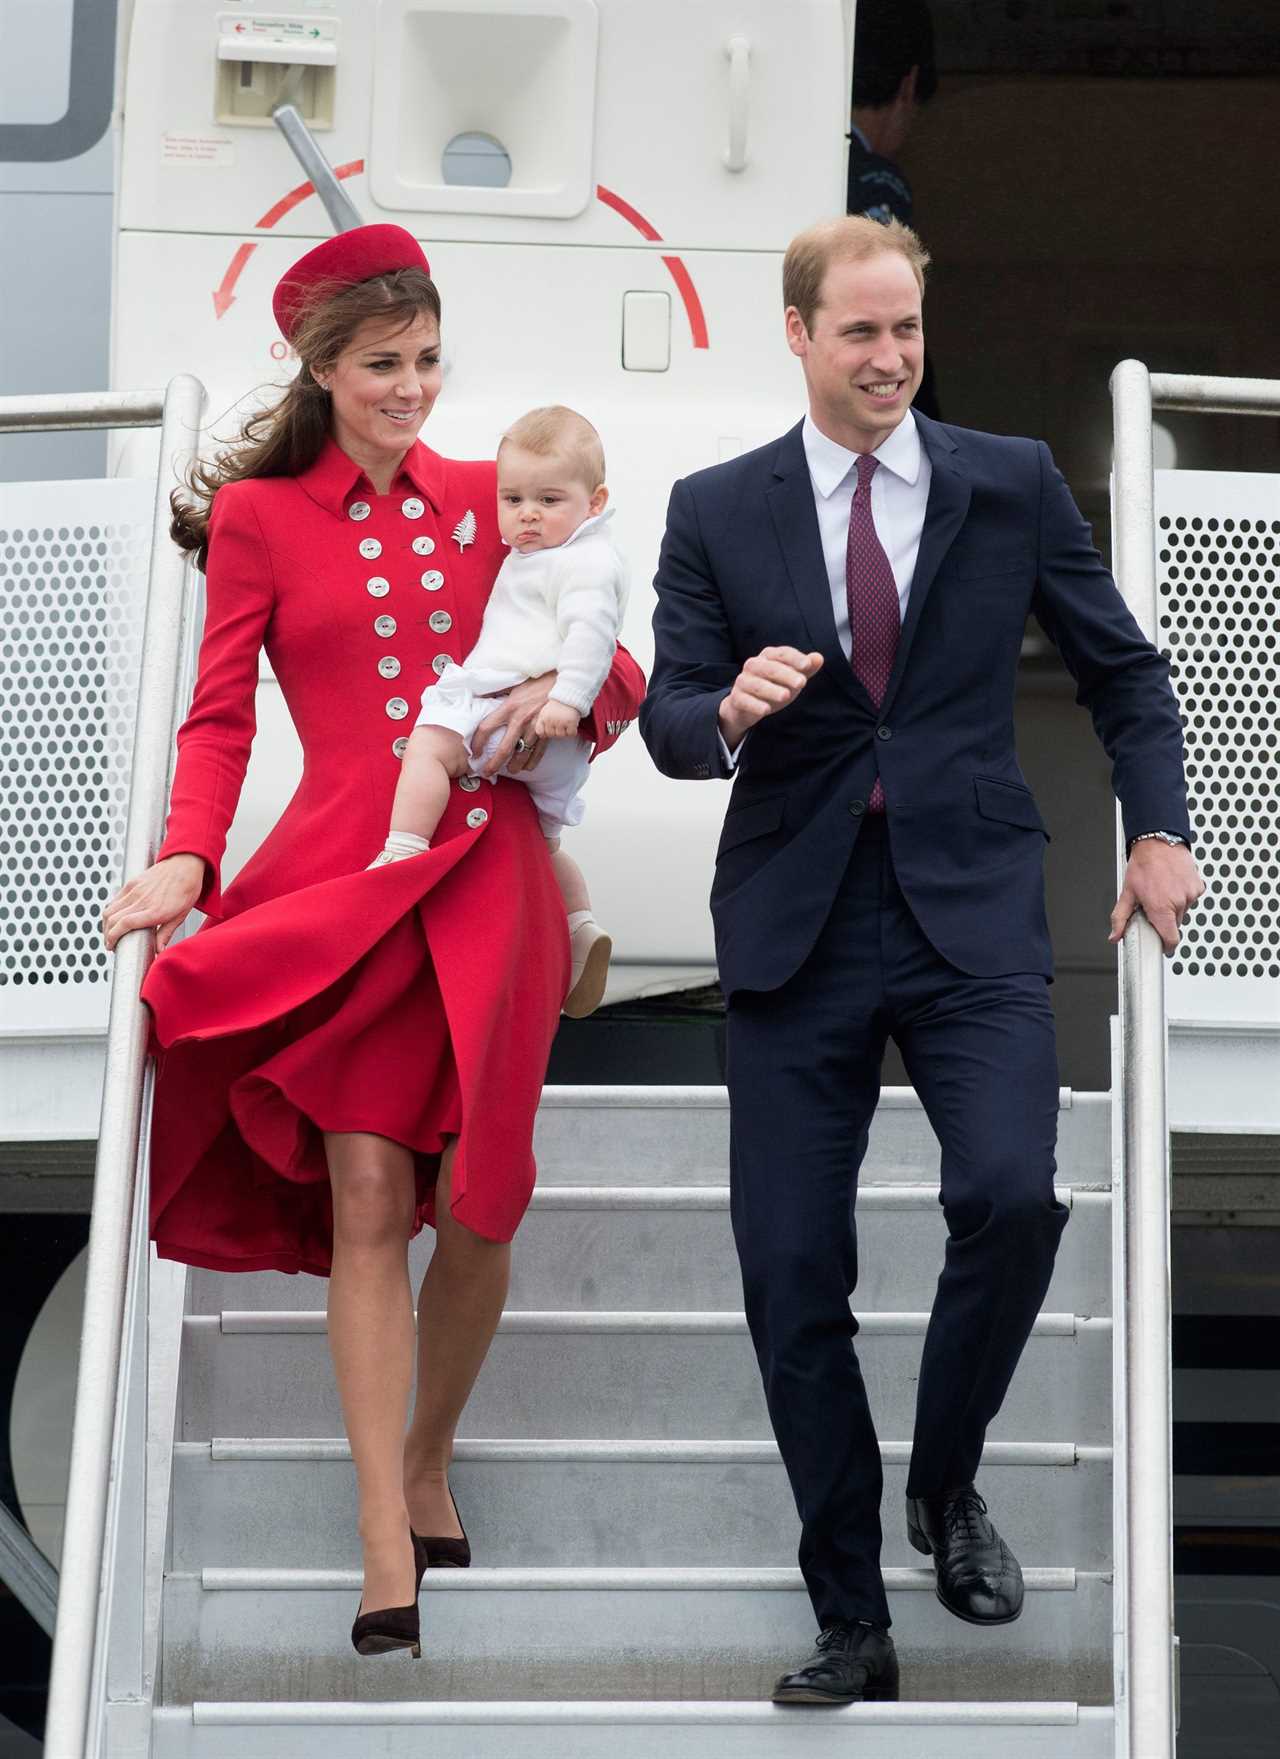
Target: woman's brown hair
288, 438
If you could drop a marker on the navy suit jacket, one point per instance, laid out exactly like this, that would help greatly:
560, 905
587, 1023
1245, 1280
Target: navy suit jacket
742, 568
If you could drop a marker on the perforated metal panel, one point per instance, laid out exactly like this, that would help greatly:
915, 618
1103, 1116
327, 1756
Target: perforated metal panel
1218, 549
73, 577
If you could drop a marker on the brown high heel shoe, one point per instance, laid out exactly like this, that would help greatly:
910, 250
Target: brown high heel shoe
446, 1554
394, 1627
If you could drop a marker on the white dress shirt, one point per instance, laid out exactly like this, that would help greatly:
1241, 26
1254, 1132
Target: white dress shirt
899, 498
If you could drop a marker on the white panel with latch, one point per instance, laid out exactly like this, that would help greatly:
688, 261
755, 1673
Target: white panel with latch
646, 332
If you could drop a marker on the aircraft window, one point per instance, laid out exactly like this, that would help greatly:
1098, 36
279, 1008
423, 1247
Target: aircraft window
477, 160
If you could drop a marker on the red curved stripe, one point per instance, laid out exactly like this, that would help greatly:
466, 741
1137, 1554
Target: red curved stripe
635, 217
679, 274
300, 194
692, 304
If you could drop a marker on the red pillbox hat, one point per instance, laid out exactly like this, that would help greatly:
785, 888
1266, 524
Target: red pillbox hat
352, 256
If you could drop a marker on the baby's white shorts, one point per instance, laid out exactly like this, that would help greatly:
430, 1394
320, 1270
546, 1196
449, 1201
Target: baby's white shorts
464, 697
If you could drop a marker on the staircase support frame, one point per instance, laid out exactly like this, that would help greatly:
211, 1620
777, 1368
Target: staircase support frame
1146, 1670
101, 1574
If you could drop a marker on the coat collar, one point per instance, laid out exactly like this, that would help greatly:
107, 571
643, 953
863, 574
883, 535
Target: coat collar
950, 490
795, 519
333, 479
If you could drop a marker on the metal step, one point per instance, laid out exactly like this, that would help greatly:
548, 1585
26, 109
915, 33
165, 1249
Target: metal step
670, 1246
576, 1503
615, 1375
585, 1730
617, 1633
680, 1136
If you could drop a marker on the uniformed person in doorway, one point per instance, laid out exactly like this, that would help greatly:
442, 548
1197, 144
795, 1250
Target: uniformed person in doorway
893, 75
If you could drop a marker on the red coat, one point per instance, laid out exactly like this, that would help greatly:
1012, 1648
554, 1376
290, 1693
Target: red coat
414, 1001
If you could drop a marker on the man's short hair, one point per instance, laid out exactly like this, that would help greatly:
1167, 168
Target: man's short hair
558, 431
890, 37
852, 238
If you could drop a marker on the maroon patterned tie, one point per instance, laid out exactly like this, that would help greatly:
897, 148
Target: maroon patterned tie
874, 620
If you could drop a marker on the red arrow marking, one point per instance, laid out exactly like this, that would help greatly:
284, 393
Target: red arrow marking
300, 194
633, 215
224, 298
692, 304
675, 265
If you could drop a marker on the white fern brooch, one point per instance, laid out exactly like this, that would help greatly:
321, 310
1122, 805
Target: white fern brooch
464, 532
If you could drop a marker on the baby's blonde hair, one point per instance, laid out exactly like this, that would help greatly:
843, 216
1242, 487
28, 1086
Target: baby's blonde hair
556, 430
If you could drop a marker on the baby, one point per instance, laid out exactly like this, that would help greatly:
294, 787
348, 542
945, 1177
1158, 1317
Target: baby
556, 604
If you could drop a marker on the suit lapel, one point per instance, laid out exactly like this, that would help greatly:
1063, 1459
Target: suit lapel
949, 494
795, 520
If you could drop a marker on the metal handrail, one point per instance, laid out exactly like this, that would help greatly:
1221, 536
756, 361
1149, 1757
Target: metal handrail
79, 1632
64, 412
27, 1572
343, 213
1148, 1681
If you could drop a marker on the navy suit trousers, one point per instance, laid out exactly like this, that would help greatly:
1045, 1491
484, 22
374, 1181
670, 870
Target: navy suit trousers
804, 1077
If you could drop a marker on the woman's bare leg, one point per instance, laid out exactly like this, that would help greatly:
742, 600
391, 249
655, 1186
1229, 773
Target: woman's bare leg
459, 1308
371, 1340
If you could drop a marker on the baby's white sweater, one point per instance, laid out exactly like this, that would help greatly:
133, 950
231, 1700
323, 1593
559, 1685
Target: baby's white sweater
557, 610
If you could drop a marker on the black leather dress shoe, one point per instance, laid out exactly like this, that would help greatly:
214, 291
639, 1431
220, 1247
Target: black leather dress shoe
853, 1663
979, 1578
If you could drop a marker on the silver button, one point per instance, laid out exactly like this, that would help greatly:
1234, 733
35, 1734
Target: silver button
433, 580
369, 548
397, 708
384, 626
441, 622
468, 784
423, 546
399, 746
413, 508
389, 668
477, 817
378, 587
359, 510
441, 663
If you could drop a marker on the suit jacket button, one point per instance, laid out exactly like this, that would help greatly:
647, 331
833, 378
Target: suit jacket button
884, 733
857, 808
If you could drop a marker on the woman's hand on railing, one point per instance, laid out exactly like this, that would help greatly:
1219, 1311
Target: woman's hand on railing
1163, 882
160, 898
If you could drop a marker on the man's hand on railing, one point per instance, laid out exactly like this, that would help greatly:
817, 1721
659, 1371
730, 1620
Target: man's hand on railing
160, 898
1163, 882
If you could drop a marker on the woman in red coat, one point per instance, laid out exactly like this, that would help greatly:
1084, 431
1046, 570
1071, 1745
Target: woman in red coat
341, 1054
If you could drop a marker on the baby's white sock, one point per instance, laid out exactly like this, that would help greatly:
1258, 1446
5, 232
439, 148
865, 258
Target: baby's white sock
399, 846
577, 918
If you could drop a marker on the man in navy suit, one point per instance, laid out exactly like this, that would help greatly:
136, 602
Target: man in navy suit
838, 626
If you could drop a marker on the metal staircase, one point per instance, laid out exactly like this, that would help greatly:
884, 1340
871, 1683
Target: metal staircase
616, 1471
634, 1530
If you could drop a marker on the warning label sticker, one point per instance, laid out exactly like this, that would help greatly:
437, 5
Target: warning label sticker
197, 149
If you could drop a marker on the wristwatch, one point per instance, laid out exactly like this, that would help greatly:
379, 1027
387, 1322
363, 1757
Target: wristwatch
1170, 837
